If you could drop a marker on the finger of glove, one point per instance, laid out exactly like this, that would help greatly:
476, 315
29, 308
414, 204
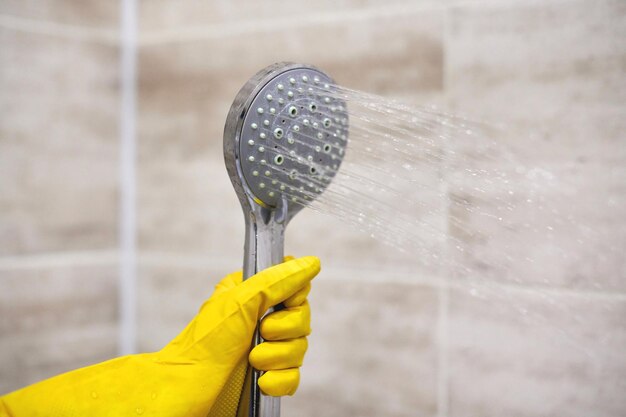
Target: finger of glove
299, 297
280, 383
276, 284
285, 354
290, 323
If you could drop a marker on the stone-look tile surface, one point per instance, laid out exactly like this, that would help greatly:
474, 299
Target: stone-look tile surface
553, 76
58, 144
563, 227
525, 353
55, 320
168, 15
186, 202
101, 14
169, 297
372, 351
368, 218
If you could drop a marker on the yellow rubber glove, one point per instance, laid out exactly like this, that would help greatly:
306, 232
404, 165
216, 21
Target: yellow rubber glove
200, 372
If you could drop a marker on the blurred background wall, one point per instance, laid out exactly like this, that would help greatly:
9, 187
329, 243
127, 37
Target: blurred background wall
391, 336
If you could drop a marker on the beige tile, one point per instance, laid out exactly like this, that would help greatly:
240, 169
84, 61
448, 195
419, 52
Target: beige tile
99, 14
55, 320
58, 144
186, 202
568, 230
168, 15
169, 297
372, 351
395, 236
530, 353
552, 76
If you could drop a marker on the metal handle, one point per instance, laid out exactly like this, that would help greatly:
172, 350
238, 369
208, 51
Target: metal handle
264, 247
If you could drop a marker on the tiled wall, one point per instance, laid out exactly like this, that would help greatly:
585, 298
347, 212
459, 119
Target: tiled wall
58, 187
391, 336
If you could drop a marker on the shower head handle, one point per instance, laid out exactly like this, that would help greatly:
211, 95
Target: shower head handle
283, 142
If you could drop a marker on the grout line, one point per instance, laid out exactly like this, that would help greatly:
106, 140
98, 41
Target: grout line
443, 373
443, 329
375, 275
371, 275
337, 273
128, 221
606, 294
165, 259
106, 36
228, 29
443, 293
60, 259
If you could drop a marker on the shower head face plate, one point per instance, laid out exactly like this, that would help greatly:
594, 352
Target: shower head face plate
292, 138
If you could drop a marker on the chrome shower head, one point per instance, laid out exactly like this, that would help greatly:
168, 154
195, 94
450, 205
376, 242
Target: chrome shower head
284, 140
285, 137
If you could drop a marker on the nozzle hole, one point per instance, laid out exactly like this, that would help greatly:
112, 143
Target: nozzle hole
279, 159
327, 148
312, 107
293, 111
313, 170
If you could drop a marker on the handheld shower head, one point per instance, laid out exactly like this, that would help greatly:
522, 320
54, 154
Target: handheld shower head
284, 140
284, 137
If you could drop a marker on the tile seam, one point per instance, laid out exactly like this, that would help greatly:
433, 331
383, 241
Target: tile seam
60, 259
370, 273
443, 301
443, 293
213, 31
128, 178
397, 276
80, 33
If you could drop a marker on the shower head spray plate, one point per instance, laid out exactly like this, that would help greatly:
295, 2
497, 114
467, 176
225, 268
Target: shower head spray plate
290, 135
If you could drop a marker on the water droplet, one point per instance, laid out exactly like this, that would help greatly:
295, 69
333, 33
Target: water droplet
94, 394
139, 410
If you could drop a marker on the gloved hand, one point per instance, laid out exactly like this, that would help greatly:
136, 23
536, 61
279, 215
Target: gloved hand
201, 371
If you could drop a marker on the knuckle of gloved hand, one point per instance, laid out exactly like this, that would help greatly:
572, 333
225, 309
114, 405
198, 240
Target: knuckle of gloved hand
280, 383
300, 345
299, 297
287, 324
295, 351
278, 355
262, 356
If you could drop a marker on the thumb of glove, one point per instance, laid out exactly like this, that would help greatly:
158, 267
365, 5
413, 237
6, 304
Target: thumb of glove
221, 333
